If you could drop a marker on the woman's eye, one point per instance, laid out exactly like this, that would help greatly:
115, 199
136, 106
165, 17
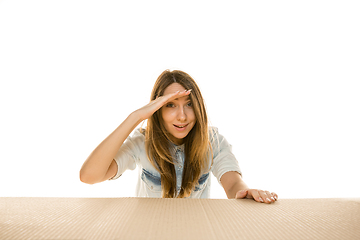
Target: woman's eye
189, 104
170, 105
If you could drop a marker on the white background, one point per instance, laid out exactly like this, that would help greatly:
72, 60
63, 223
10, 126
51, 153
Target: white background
280, 80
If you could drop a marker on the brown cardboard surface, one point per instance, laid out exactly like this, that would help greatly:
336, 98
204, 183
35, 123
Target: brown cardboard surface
149, 218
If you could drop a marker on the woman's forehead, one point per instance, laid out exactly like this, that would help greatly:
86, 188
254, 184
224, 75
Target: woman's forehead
174, 87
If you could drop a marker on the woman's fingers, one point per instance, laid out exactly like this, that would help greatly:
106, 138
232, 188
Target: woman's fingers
263, 196
161, 101
149, 109
172, 96
268, 198
275, 196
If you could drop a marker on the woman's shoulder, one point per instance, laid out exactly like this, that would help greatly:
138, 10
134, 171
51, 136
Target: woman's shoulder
219, 144
216, 138
137, 136
213, 129
213, 133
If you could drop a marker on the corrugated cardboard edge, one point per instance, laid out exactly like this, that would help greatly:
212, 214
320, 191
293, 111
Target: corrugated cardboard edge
152, 218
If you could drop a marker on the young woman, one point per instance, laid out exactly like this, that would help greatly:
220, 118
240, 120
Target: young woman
177, 150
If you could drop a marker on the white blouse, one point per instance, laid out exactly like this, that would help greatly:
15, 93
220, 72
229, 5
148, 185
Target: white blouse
132, 153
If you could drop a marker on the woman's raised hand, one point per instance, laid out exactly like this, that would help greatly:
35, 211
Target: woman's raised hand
149, 109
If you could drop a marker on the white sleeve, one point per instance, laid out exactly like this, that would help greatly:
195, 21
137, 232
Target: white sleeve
223, 158
127, 155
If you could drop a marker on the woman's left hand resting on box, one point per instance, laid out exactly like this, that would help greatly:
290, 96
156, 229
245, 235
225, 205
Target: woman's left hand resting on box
235, 187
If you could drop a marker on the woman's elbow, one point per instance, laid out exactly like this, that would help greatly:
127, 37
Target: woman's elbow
86, 178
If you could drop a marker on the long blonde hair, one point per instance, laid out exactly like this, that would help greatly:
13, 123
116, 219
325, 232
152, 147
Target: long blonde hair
197, 145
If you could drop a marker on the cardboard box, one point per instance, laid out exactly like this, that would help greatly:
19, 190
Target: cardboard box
149, 218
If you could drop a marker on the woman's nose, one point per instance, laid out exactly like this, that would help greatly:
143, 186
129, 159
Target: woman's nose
181, 115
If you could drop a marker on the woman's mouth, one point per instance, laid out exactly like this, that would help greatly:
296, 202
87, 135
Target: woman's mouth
181, 127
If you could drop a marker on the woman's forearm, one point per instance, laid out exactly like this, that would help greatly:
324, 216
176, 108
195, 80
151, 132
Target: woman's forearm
97, 164
232, 183
238, 186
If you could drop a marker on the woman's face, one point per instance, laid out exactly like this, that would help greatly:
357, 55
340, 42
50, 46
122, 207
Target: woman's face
178, 115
